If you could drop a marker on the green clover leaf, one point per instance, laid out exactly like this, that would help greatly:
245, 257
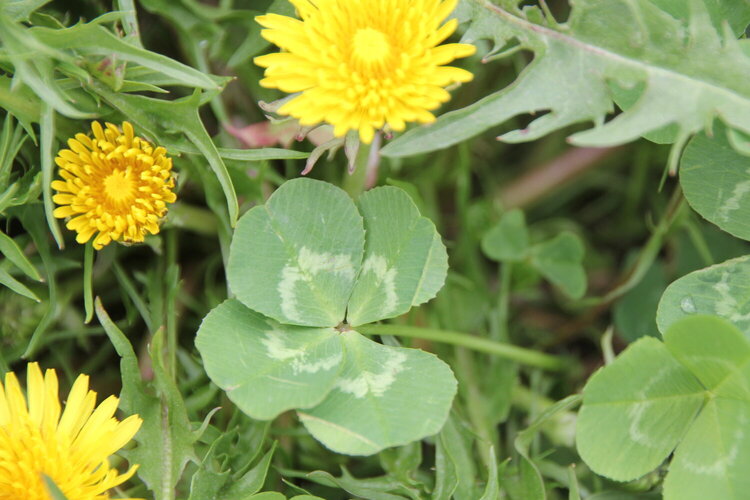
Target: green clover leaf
307, 268
721, 290
689, 395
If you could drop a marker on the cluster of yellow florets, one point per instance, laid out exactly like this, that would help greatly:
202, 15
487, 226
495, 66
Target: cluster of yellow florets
362, 64
114, 184
70, 447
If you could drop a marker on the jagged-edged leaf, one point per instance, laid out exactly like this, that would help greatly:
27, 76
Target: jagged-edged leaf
689, 393
690, 72
385, 396
736, 14
405, 262
716, 181
636, 410
295, 258
165, 440
721, 290
560, 261
267, 368
508, 239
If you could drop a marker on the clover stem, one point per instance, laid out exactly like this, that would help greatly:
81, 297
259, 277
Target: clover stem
500, 349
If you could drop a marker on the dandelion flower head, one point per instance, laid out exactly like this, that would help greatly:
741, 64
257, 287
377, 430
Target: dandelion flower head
70, 447
361, 64
115, 185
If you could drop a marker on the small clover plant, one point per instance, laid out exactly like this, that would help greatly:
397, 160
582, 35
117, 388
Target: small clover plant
688, 396
307, 269
559, 259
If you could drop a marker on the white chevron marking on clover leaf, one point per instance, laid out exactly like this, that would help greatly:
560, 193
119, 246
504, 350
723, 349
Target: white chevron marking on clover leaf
276, 348
309, 263
727, 306
733, 202
386, 278
375, 383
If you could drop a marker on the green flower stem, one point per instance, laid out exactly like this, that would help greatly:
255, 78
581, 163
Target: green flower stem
88, 289
507, 351
354, 183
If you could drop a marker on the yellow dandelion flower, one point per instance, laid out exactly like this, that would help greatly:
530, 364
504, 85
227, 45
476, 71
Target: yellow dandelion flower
71, 448
361, 64
114, 184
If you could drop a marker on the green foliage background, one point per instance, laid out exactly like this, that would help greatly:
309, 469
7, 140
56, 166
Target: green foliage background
558, 254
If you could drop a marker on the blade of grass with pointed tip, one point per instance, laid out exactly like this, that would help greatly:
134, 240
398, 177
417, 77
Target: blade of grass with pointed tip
46, 150
15, 285
262, 154
13, 253
32, 218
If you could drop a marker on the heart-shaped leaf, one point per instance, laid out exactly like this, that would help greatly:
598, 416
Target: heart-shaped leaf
691, 392
714, 178
267, 368
385, 396
636, 410
299, 260
296, 257
559, 260
508, 240
722, 290
405, 262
